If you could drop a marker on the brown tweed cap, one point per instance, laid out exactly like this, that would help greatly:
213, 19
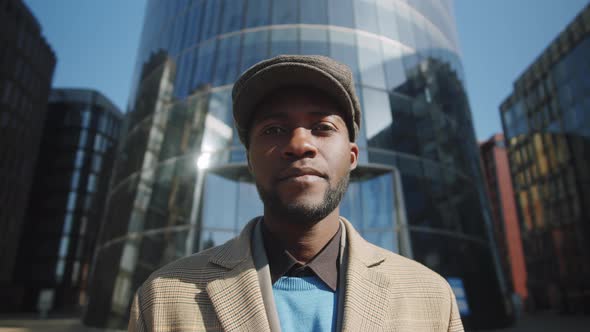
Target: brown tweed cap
314, 71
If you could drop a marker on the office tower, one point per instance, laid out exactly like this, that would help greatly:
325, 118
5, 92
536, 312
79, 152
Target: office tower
67, 199
547, 127
181, 183
496, 170
26, 70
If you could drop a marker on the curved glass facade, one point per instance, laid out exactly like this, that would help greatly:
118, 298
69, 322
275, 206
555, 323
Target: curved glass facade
181, 183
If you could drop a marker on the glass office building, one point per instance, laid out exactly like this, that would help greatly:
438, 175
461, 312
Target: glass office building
181, 182
26, 70
63, 217
546, 122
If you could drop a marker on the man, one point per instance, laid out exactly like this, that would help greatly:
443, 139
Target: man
299, 267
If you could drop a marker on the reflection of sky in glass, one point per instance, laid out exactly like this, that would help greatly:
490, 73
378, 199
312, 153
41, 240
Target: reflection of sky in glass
219, 201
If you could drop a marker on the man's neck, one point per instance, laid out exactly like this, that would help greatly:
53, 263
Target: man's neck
303, 241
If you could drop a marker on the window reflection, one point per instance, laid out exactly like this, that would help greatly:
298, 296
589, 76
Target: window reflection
370, 61
210, 19
284, 12
313, 12
283, 41
393, 65
314, 41
257, 13
227, 61
343, 49
232, 15
366, 15
377, 112
340, 13
387, 19
254, 48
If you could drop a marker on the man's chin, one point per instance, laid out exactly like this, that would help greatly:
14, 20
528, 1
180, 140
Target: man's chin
301, 213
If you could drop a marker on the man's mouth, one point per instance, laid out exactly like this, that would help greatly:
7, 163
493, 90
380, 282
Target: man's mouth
301, 174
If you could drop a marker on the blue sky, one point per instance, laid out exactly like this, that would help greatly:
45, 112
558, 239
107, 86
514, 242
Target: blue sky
96, 45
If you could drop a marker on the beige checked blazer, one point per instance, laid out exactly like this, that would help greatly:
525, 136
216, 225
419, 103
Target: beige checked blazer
218, 290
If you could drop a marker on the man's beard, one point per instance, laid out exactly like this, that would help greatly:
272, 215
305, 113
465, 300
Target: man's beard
301, 213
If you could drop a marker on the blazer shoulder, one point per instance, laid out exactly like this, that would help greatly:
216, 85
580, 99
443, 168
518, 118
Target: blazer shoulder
189, 265
405, 268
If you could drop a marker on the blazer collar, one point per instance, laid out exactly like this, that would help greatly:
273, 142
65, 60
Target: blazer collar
235, 295
366, 289
236, 250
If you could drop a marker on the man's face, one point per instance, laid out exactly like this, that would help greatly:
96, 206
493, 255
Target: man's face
300, 155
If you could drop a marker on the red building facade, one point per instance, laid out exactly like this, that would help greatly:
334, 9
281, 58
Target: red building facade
504, 212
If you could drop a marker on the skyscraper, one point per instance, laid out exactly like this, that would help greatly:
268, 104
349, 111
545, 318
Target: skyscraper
181, 182
547, 127
67, 199
26, 70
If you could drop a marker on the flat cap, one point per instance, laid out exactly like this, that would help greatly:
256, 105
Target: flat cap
314, 71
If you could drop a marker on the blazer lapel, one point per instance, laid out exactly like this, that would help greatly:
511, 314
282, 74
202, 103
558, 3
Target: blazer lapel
366, 293
236, 296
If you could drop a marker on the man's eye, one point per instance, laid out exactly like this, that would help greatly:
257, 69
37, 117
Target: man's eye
273, 131
323, 127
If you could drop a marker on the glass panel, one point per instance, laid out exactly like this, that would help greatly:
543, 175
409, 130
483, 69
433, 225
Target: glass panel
386, 19
376, 111
403, 23
227, 61
194, 23
232, 15
343, 49
205, 63
370, 61
63, 246
249, 206
75, 180
255, 48
283, 41
67, 228
86, 119
83, 139
394, 69
284, 12
210, 19
314, 41
257, 13
220, 200
71, 201
218, 133
313, 12
366, 15
340, 13
377, 198
96, 163
91, 183
59, 270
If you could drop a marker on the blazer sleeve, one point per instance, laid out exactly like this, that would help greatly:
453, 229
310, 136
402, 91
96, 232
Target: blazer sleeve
136, 320
455, 324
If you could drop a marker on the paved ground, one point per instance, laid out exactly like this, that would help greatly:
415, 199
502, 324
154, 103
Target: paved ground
546, 322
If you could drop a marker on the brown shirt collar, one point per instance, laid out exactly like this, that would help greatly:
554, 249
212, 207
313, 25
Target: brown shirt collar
324, 265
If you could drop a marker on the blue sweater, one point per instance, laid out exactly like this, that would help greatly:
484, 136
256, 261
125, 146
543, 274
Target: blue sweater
305, 304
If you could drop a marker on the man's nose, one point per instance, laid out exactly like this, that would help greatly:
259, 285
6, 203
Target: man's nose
300, 145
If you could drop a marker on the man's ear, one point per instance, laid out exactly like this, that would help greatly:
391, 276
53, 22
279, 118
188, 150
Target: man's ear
354, 155
249, 164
